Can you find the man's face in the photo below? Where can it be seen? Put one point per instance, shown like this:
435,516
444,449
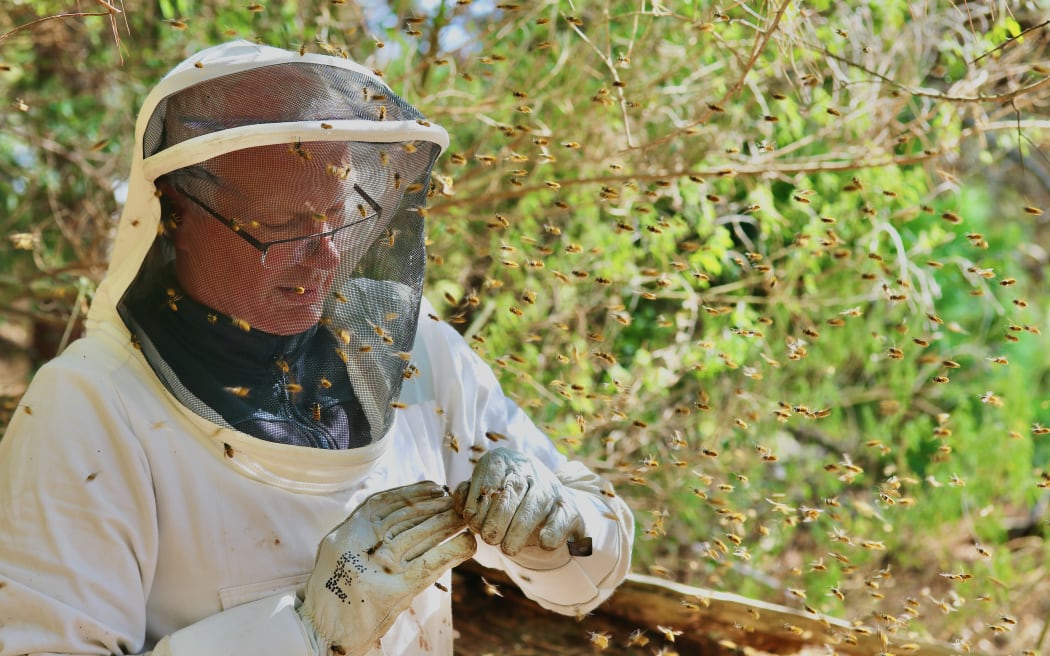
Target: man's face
274,192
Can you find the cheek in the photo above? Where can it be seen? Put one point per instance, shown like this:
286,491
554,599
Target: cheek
213,248
220,269
197,239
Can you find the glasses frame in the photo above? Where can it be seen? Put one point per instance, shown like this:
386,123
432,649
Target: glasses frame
264,246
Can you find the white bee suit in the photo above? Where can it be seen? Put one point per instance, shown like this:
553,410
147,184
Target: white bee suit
130,523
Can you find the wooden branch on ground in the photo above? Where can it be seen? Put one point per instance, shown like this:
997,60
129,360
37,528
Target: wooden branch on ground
720,623
747,622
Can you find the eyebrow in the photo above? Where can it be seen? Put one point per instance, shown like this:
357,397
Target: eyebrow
303,212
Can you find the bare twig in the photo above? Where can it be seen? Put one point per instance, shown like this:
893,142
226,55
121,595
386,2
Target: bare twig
607,60
761,39
111,12
1010,40
71,323
802,166
997,98
31,23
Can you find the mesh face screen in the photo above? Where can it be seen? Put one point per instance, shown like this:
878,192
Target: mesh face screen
318,245
295,91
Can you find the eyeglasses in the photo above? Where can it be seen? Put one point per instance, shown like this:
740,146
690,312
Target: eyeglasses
292,251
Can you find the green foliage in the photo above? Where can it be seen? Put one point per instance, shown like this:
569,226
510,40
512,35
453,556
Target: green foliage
769,270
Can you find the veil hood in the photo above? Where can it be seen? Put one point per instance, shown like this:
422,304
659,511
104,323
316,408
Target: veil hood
240,96
141,215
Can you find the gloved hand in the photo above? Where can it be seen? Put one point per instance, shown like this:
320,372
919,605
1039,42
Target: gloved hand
514,502
370,567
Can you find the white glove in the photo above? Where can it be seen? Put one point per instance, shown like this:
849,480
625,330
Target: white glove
515,502
370,567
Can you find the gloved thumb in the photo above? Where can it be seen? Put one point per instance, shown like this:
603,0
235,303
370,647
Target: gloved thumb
459,496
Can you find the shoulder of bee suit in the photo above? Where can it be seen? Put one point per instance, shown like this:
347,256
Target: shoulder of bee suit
431,334
441,354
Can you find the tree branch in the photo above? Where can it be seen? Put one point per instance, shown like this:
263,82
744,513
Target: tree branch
759,45
111,11
997,98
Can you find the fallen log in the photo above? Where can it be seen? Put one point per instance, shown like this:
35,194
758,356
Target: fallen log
659,614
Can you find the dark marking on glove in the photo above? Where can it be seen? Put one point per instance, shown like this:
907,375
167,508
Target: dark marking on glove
371,550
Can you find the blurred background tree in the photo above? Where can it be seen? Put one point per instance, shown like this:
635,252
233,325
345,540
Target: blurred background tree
775,268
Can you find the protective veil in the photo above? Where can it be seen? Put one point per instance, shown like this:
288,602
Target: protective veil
282,158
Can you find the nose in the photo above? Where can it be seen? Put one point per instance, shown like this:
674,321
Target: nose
322,253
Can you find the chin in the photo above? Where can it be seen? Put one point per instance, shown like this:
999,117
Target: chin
294,327
289,322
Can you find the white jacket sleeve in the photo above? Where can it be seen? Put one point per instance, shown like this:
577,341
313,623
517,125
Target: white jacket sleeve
77,520
79,534
575,585
470,399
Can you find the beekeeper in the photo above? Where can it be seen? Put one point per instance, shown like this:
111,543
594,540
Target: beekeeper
267,443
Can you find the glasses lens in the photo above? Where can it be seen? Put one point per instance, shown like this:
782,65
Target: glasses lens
285,254
294,252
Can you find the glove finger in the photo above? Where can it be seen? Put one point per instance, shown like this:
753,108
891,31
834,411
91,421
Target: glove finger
504,504
479,501
405,518
562,524
529,517
418,540
459,496
488,475
429,567
383,503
